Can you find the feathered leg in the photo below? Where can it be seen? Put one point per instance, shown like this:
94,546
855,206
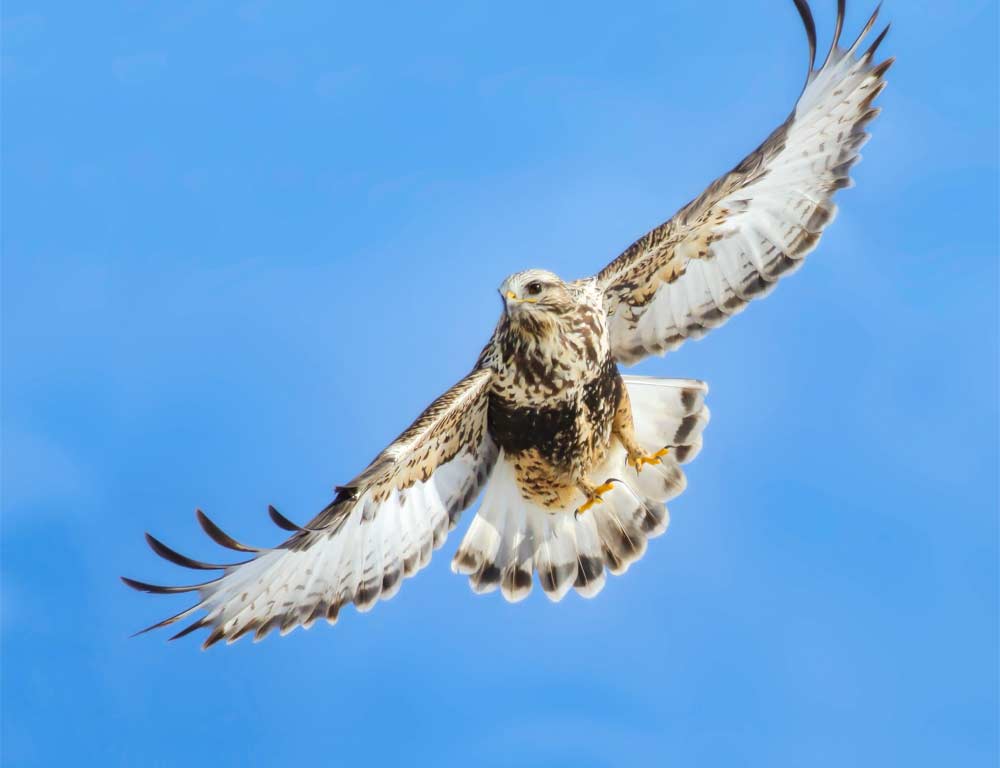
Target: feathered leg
624,429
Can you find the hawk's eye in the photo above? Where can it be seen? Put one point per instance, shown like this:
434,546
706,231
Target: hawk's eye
533,288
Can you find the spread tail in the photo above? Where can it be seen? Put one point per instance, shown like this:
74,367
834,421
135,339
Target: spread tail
510,538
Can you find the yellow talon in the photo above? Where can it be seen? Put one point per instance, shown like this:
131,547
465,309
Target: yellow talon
595,499
641,461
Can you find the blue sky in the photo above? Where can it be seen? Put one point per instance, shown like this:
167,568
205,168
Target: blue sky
243,245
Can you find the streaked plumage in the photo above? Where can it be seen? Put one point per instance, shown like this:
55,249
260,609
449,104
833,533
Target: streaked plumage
576,460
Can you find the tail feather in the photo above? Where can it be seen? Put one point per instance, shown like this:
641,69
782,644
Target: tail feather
517,550
555,559
623,541
589,558
510,538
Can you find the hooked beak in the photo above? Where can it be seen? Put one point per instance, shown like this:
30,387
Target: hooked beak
510,296
510,300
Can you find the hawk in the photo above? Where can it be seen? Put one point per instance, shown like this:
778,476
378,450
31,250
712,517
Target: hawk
575,460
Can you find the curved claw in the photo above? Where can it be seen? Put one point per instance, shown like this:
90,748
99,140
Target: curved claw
640,461
595,498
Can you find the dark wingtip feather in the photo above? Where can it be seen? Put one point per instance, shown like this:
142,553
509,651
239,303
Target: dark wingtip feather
289,622
867,28
807,20
281,521
220,537
877,42
177,558
195,625
156,589
165,622
285,524
265,629
246,629
841,11
216,635
880,70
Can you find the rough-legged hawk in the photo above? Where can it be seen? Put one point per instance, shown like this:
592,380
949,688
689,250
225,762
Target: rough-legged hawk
576,460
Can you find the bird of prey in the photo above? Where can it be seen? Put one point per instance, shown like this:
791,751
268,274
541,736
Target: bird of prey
575,460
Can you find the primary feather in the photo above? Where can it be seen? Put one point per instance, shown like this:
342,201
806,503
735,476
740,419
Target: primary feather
756,223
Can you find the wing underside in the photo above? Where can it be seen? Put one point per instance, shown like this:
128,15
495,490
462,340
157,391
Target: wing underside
380,529
758,222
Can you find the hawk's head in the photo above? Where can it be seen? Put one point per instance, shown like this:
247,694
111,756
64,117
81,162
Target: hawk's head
535,297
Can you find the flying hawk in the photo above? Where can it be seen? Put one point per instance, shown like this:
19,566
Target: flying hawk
577,460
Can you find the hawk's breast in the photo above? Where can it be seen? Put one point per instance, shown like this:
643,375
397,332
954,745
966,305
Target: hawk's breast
566,432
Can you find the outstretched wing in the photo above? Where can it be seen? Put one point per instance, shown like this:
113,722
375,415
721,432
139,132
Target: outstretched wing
381,528
757,222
